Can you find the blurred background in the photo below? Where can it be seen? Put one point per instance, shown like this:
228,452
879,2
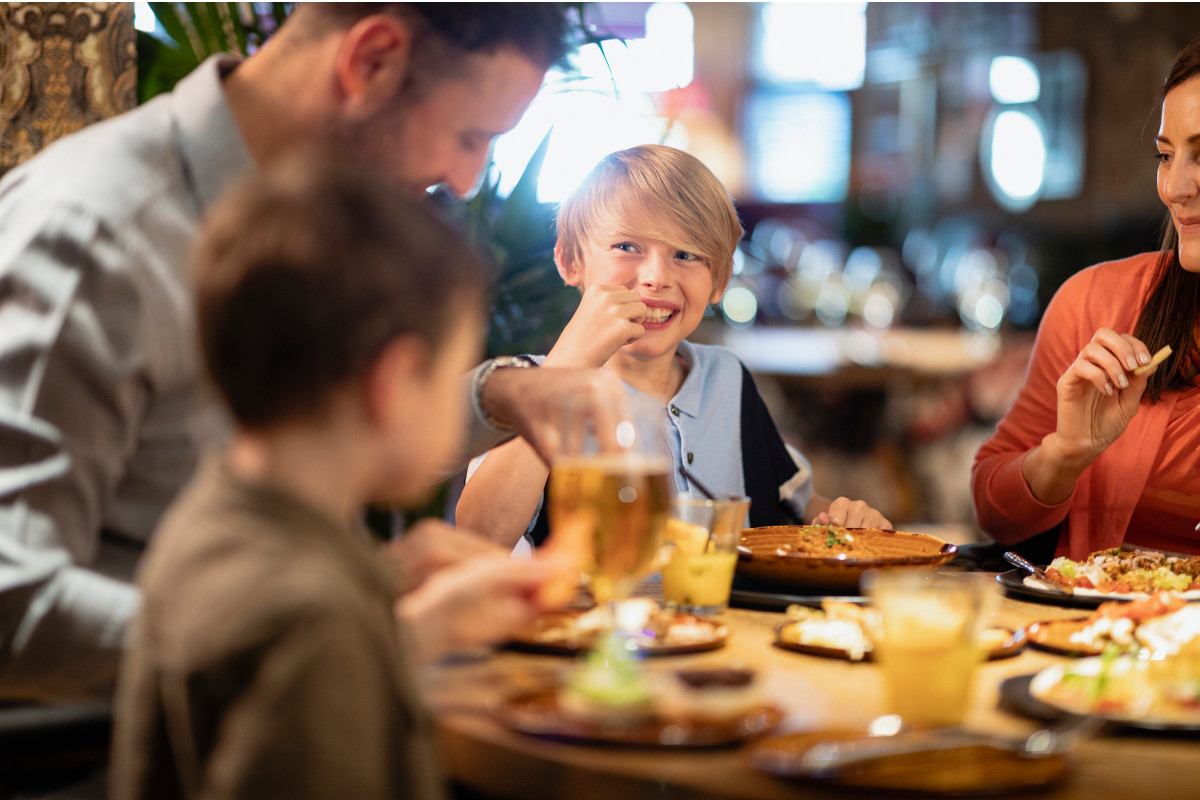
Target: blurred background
915,180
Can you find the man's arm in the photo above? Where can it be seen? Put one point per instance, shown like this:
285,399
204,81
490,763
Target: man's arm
529,399
71,396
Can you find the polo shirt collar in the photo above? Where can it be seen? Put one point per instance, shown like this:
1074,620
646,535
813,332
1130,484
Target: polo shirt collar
214,153
690,394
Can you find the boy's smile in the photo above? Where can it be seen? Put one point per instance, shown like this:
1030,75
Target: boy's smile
658,313
675,285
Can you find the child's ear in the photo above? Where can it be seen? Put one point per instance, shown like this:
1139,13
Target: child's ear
719,291
566,268
394,378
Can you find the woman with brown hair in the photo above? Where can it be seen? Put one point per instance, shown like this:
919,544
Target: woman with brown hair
1096,452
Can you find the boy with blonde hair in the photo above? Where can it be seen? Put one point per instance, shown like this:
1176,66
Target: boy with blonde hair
336,317
649,239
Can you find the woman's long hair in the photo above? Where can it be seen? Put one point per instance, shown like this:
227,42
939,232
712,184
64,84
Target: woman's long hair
1173,305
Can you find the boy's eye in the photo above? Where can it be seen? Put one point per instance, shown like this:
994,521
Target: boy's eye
625,247
683,255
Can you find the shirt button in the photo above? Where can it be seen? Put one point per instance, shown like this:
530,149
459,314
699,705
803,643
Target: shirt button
675,410
690,457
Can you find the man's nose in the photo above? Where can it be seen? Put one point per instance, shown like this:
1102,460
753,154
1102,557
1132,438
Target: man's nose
463,176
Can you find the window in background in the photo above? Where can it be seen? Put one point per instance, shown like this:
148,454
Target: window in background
798,122
821,46
1032,144
143,18
608,102
800,144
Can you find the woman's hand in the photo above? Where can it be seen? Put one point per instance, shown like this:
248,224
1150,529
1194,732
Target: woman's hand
1097,397
849,513
1099,394
608,318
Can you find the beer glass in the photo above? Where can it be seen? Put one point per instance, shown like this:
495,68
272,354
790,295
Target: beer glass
609,495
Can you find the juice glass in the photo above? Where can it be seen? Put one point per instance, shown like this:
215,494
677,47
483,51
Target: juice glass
927,642
702,536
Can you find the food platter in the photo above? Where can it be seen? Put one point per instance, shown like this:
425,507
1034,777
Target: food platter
1152,627
569,633
539,713
1003,643
1054,636
1015,584
774,556
1033,696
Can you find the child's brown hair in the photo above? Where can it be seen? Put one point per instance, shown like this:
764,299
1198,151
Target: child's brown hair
636,191
307,271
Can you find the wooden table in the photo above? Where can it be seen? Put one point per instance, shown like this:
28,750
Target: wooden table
815,692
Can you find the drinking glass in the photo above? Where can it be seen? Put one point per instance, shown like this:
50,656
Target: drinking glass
701,552
927,641
609,494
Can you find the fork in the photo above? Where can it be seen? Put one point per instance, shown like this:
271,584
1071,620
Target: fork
829,758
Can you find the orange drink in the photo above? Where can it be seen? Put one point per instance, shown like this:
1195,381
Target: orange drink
928,642
701,538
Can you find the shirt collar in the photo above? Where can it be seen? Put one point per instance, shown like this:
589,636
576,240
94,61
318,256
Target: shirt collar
690,394
214,153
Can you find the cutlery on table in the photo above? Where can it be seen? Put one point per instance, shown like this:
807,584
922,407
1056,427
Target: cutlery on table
1034,570
826,759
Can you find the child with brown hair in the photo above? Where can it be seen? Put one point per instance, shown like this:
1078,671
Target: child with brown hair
649,238
336,318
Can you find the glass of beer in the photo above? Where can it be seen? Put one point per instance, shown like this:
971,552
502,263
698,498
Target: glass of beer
927,642
701,554
609,494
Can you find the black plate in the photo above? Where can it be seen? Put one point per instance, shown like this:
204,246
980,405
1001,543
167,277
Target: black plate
1014,583
779,601
1015,697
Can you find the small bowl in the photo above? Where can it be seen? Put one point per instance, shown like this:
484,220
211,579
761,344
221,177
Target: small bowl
760,559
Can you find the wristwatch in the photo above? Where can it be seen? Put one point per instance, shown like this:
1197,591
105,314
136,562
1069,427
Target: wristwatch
500,362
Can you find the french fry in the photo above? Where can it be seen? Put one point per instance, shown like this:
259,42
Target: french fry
1157,359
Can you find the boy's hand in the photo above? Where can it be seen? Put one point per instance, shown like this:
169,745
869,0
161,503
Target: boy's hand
608,318
475,602
848,513
431,546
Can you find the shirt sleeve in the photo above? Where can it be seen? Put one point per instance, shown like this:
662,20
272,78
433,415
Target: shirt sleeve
1005,507
71,395
798,491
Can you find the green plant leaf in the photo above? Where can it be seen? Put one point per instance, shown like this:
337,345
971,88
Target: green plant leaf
168,16
160,66
208,27
235,26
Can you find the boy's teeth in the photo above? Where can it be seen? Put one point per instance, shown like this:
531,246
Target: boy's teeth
658,314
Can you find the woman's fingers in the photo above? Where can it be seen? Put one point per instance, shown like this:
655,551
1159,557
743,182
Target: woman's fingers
1099,368
1106,361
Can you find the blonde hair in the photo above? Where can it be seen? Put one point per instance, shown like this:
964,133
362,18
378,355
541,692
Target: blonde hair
659,192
